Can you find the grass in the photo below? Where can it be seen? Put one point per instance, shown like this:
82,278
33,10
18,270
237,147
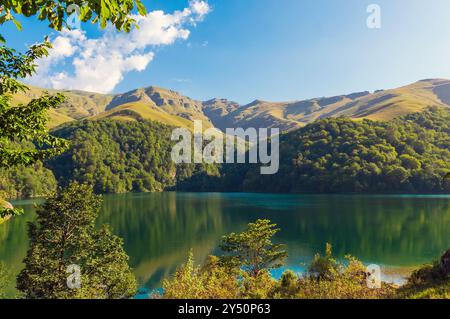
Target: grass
141,110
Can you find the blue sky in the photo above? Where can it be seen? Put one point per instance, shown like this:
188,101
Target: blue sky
281,49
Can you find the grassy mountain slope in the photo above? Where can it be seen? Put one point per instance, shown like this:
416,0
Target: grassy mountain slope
153,103
78,105
385,105
140,110
172,108
381,105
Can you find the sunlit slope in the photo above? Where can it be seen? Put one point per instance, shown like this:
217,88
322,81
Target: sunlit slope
78,104
172,108
380,105
140,110
55,118
388,104
157,104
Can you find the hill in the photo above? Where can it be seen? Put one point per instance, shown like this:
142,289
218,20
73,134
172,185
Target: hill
380,105
157,104
335,155
120,156
172,108
338,155
78,105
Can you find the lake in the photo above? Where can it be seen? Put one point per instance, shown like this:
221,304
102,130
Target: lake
396,232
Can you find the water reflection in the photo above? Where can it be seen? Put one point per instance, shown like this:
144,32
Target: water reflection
159,229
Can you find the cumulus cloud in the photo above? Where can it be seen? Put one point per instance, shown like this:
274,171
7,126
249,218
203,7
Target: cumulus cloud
99,65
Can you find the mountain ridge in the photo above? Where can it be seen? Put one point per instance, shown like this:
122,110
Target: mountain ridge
172,108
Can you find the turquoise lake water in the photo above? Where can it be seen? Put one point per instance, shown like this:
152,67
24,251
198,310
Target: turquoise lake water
396,232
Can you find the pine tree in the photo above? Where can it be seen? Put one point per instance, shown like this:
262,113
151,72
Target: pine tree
253,250
63,235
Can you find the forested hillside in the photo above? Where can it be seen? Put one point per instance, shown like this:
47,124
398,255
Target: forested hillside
116,156
119,157
407,155
113,156
25,182
337,155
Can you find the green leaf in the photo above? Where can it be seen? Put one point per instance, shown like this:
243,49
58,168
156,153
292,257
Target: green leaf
17,24
141,8
103,23
3,18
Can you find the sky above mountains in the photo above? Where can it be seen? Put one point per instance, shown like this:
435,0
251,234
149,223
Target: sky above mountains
247,49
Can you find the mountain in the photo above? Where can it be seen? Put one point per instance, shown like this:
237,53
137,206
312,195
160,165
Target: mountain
158,104
388,104
379,105
407,155
336,155
78,105
172,108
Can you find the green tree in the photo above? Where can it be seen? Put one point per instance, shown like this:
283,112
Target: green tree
24,123
253,250
56,11
324,267
28,122
211,281
64,234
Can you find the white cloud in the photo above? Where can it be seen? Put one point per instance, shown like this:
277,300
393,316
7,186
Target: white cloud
200,8
99,65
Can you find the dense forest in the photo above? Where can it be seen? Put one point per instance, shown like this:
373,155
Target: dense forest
112,156
116,157
407,155
26,182
120,157
338,155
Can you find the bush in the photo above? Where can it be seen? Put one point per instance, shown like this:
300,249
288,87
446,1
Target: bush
208,282
428,282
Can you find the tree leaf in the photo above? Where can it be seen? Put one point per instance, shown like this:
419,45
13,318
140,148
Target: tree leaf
17,24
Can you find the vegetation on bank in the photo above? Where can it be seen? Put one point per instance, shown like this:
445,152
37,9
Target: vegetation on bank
431,281
245,273
27,182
